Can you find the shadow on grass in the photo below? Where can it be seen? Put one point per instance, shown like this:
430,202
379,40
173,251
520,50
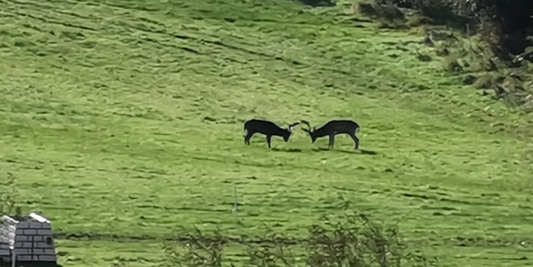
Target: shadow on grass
287,150
359,151
317,3
368,152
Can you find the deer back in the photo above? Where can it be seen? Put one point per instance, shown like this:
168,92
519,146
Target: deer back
264,127
337,127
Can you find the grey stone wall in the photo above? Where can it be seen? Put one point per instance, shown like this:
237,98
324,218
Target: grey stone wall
32,239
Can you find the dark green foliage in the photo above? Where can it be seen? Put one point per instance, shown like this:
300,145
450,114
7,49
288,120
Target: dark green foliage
440,12
480,36
505,24
352,240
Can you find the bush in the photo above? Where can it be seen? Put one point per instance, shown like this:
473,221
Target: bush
490,41
8,203
351,240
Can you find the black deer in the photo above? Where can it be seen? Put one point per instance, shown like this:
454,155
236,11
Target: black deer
333,128
267,128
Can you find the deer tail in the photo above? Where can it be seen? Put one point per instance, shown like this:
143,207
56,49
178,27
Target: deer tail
357,129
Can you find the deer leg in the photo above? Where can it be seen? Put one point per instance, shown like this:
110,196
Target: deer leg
331,141
355,139
248,137
269,140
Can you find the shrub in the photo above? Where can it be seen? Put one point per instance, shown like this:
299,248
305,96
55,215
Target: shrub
8,203
351,240
488,40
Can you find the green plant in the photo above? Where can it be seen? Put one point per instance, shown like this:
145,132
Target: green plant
196,250
271,251
350,240
8,203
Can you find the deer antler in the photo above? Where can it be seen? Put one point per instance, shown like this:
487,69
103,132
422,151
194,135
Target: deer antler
306,123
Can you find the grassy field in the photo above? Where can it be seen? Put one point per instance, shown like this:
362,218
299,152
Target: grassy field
123,120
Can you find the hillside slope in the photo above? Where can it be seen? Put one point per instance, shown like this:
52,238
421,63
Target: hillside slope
122,120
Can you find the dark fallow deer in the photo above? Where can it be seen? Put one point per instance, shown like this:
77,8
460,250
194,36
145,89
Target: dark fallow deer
267,128
333,128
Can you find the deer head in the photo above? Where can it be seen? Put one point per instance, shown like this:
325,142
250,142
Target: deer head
290,129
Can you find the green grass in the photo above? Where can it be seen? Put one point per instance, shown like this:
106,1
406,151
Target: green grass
125,118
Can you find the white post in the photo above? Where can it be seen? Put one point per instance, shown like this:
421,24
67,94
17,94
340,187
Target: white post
13,257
